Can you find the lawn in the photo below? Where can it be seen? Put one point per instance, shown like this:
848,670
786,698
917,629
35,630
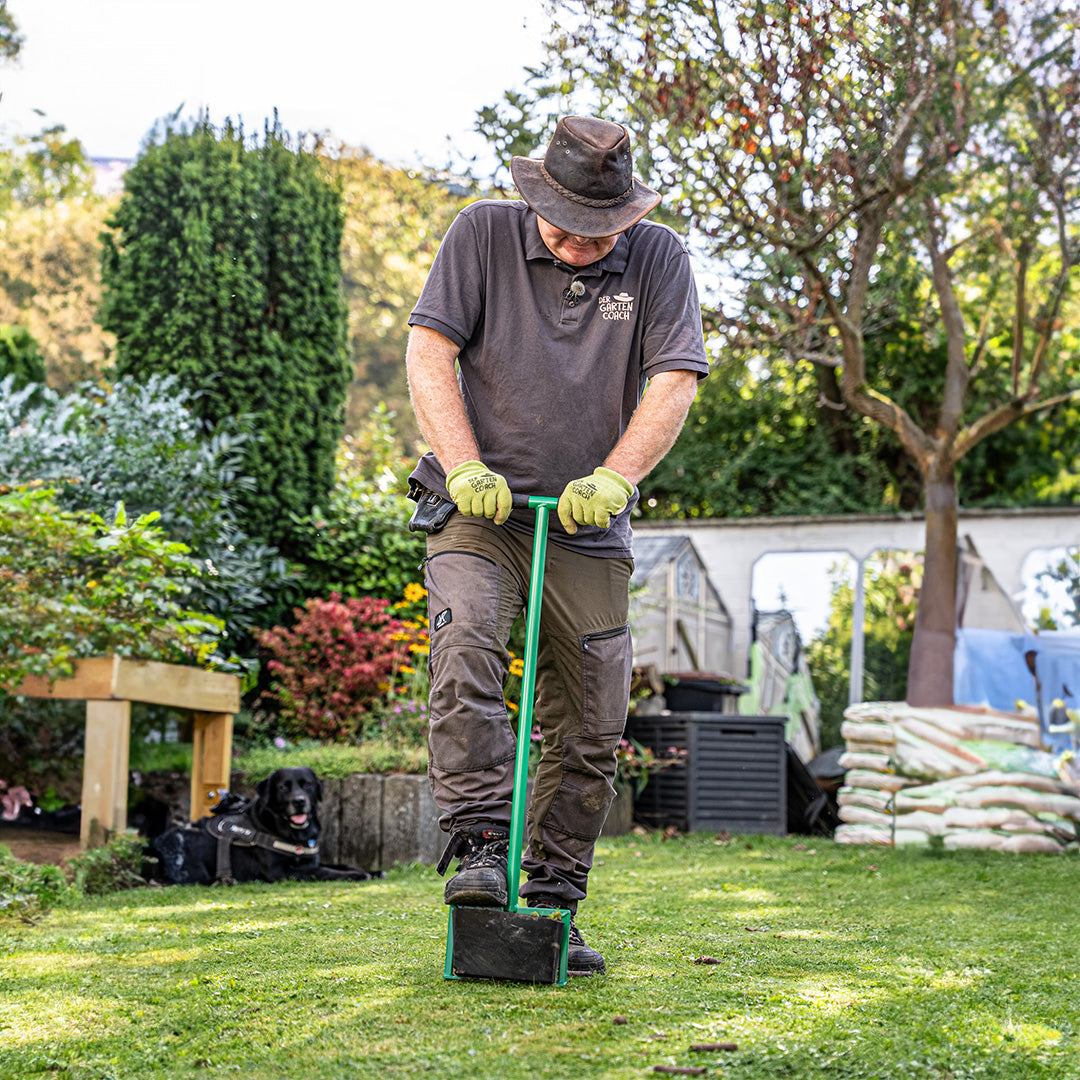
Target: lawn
815,960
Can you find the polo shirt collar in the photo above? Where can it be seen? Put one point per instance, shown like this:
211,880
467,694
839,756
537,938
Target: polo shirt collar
614,262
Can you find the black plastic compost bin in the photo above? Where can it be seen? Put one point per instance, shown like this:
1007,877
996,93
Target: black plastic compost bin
733,778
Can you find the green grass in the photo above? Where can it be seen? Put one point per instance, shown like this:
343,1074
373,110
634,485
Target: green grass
335,761
833,962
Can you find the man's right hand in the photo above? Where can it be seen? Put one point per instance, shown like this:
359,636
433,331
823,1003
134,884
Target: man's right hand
479,492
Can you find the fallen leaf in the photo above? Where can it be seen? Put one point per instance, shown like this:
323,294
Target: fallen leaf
707,1048
618,1020
706,960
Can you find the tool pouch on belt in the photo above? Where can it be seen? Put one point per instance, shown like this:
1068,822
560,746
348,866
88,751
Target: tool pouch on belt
432,511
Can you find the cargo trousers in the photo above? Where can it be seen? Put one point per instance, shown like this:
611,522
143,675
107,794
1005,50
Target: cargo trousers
477,577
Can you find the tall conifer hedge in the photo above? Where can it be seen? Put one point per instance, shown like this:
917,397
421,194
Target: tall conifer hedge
223,267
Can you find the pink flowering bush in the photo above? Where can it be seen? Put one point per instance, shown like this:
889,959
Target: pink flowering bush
332,666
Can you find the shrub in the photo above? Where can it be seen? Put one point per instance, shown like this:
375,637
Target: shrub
112,868
72,585
332,666
143,445
223,267
20,357
27,891
359,543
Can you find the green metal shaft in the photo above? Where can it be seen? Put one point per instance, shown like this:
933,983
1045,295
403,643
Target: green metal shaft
543,506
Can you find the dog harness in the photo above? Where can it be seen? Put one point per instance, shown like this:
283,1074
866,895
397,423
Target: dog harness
238,828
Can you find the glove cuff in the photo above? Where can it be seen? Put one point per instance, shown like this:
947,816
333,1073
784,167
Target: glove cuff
611,474
464,469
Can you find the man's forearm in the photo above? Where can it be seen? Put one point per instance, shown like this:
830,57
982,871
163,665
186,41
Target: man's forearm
436,398
655,425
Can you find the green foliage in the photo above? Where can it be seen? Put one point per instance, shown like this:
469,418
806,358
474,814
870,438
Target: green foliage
360,543
111,868
142,444
223,267
41,743
394,220
42,168
333,761
50,283
28,891
892,584
20,357
10,38
757,442
75,585
1063,576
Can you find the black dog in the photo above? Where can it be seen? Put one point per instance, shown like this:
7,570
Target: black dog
269,838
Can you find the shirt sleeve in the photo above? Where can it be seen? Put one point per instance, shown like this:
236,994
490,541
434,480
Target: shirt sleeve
673,339
452,300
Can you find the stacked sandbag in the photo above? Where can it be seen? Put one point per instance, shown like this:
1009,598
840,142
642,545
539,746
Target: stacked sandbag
976,778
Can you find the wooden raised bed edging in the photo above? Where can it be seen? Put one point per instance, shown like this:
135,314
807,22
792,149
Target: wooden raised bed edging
109,685
378,821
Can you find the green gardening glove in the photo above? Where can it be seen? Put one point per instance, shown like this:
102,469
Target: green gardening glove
593,499
479,492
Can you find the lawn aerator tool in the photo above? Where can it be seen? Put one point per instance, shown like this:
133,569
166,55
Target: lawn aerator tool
522,944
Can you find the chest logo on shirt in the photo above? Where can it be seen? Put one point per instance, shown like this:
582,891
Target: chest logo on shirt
619,307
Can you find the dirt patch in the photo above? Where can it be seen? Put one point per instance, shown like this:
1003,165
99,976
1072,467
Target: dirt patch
39,846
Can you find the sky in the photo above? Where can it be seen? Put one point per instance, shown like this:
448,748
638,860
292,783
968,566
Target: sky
397,78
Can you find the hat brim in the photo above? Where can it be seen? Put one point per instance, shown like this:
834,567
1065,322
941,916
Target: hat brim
573,217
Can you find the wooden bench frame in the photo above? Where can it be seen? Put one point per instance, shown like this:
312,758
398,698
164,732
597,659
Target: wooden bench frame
109,685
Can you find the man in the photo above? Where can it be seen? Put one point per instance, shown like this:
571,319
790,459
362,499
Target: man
555,310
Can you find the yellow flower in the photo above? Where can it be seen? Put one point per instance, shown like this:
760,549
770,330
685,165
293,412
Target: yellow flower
414,593
517,667
419,650
406,670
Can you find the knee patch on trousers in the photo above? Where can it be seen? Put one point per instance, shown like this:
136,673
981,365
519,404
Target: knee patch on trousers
468,725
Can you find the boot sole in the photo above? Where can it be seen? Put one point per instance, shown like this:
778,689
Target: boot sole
475,898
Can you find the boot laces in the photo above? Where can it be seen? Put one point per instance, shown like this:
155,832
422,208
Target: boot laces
488,853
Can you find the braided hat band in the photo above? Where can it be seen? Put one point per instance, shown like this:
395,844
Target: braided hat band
584,200
585,184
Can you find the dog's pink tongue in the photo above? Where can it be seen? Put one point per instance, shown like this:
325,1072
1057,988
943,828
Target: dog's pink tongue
299,819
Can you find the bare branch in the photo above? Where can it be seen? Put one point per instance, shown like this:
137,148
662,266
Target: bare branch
1002,417
957,375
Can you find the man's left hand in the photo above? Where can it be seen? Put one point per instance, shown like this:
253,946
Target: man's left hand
592,500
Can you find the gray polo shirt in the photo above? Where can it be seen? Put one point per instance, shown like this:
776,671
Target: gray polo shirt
550,379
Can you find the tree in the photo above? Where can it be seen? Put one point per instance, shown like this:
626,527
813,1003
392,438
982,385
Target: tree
394,220
10,38
223,267
50,283
818,149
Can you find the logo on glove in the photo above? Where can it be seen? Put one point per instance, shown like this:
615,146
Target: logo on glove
585,490
484,483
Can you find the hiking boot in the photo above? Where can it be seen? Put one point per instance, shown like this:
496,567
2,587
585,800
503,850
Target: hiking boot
480,880
580,958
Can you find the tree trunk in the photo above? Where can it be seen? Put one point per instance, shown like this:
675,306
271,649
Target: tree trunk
930,676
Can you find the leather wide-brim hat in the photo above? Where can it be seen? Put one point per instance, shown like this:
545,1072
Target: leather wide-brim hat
585,185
